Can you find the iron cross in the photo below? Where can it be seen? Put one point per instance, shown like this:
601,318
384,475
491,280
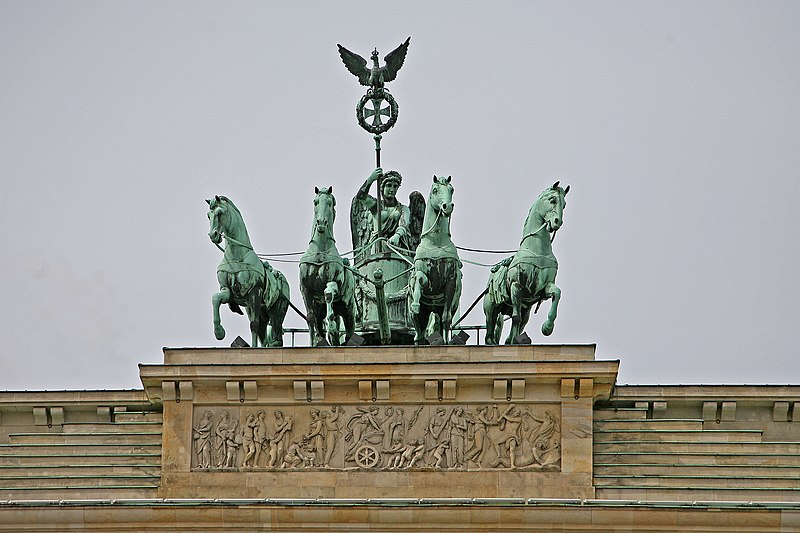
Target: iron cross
376,111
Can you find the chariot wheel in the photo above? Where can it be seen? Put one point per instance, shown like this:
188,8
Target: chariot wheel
367,456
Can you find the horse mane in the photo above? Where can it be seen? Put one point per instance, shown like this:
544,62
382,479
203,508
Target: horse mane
232,205
542,196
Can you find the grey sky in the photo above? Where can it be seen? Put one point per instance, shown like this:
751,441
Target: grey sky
675,123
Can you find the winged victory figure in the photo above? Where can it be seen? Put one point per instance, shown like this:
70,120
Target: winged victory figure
376,76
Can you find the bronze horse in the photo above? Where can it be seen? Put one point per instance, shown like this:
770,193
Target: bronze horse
435,283
244,279
327,284
528,277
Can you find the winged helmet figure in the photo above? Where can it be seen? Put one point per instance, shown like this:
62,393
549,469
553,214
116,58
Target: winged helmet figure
376,76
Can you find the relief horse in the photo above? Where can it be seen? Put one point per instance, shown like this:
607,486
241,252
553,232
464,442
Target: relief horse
327,284
244,280
528,277
435,282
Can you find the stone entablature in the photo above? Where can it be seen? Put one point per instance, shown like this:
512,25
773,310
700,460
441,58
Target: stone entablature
342,422
676,457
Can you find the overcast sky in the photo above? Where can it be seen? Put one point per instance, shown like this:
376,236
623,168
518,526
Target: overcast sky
677,125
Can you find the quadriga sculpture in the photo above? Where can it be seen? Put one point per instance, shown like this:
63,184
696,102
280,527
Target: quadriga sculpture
328,287
244,280
435,283
528,277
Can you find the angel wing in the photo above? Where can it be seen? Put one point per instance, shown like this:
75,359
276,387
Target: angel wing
394,60
360,227
416,204
357,65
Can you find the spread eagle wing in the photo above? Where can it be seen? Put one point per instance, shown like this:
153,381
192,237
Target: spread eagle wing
356,64
416,204
394,60
360,228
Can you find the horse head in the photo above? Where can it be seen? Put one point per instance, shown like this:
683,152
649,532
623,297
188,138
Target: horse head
324,210
441,197
550,206
218,218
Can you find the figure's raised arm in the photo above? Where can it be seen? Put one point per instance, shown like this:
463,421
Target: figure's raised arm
363,192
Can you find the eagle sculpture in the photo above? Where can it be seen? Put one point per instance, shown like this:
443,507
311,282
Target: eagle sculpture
376,76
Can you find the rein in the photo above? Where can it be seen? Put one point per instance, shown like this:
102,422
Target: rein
525,237
234,241
433,225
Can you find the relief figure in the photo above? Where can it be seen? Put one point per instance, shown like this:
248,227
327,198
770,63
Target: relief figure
227,441
332,428
202,441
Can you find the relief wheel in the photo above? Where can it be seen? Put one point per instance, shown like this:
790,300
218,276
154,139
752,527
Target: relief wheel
367,456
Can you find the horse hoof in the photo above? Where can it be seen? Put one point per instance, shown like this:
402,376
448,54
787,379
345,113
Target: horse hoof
547,328
219,332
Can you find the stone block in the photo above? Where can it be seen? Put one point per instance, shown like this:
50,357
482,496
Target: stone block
317,390
500,389
568,388
728,411
709,411
250,390
382,389
300,392
40,416
364,390
232,390
517,389
780,412
659,409
432,390
57,416
449,389
169,392
586,388
186,391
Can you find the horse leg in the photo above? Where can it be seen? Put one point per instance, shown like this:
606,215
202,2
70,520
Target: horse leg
421,324
452,291
516,311
276,315
222,297
331,321
447,310
311,320
490,312
555,293
348,317
277,312
420,280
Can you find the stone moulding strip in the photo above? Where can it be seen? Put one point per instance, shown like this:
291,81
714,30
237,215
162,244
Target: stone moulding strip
405,502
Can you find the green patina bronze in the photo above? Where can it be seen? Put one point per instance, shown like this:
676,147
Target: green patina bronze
384,240
371,118
326,281
528,277
245,280
435,283
405,281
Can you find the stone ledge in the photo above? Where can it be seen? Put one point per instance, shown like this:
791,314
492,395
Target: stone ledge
381,354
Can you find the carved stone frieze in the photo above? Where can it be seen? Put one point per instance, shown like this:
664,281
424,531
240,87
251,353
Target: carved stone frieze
387,437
